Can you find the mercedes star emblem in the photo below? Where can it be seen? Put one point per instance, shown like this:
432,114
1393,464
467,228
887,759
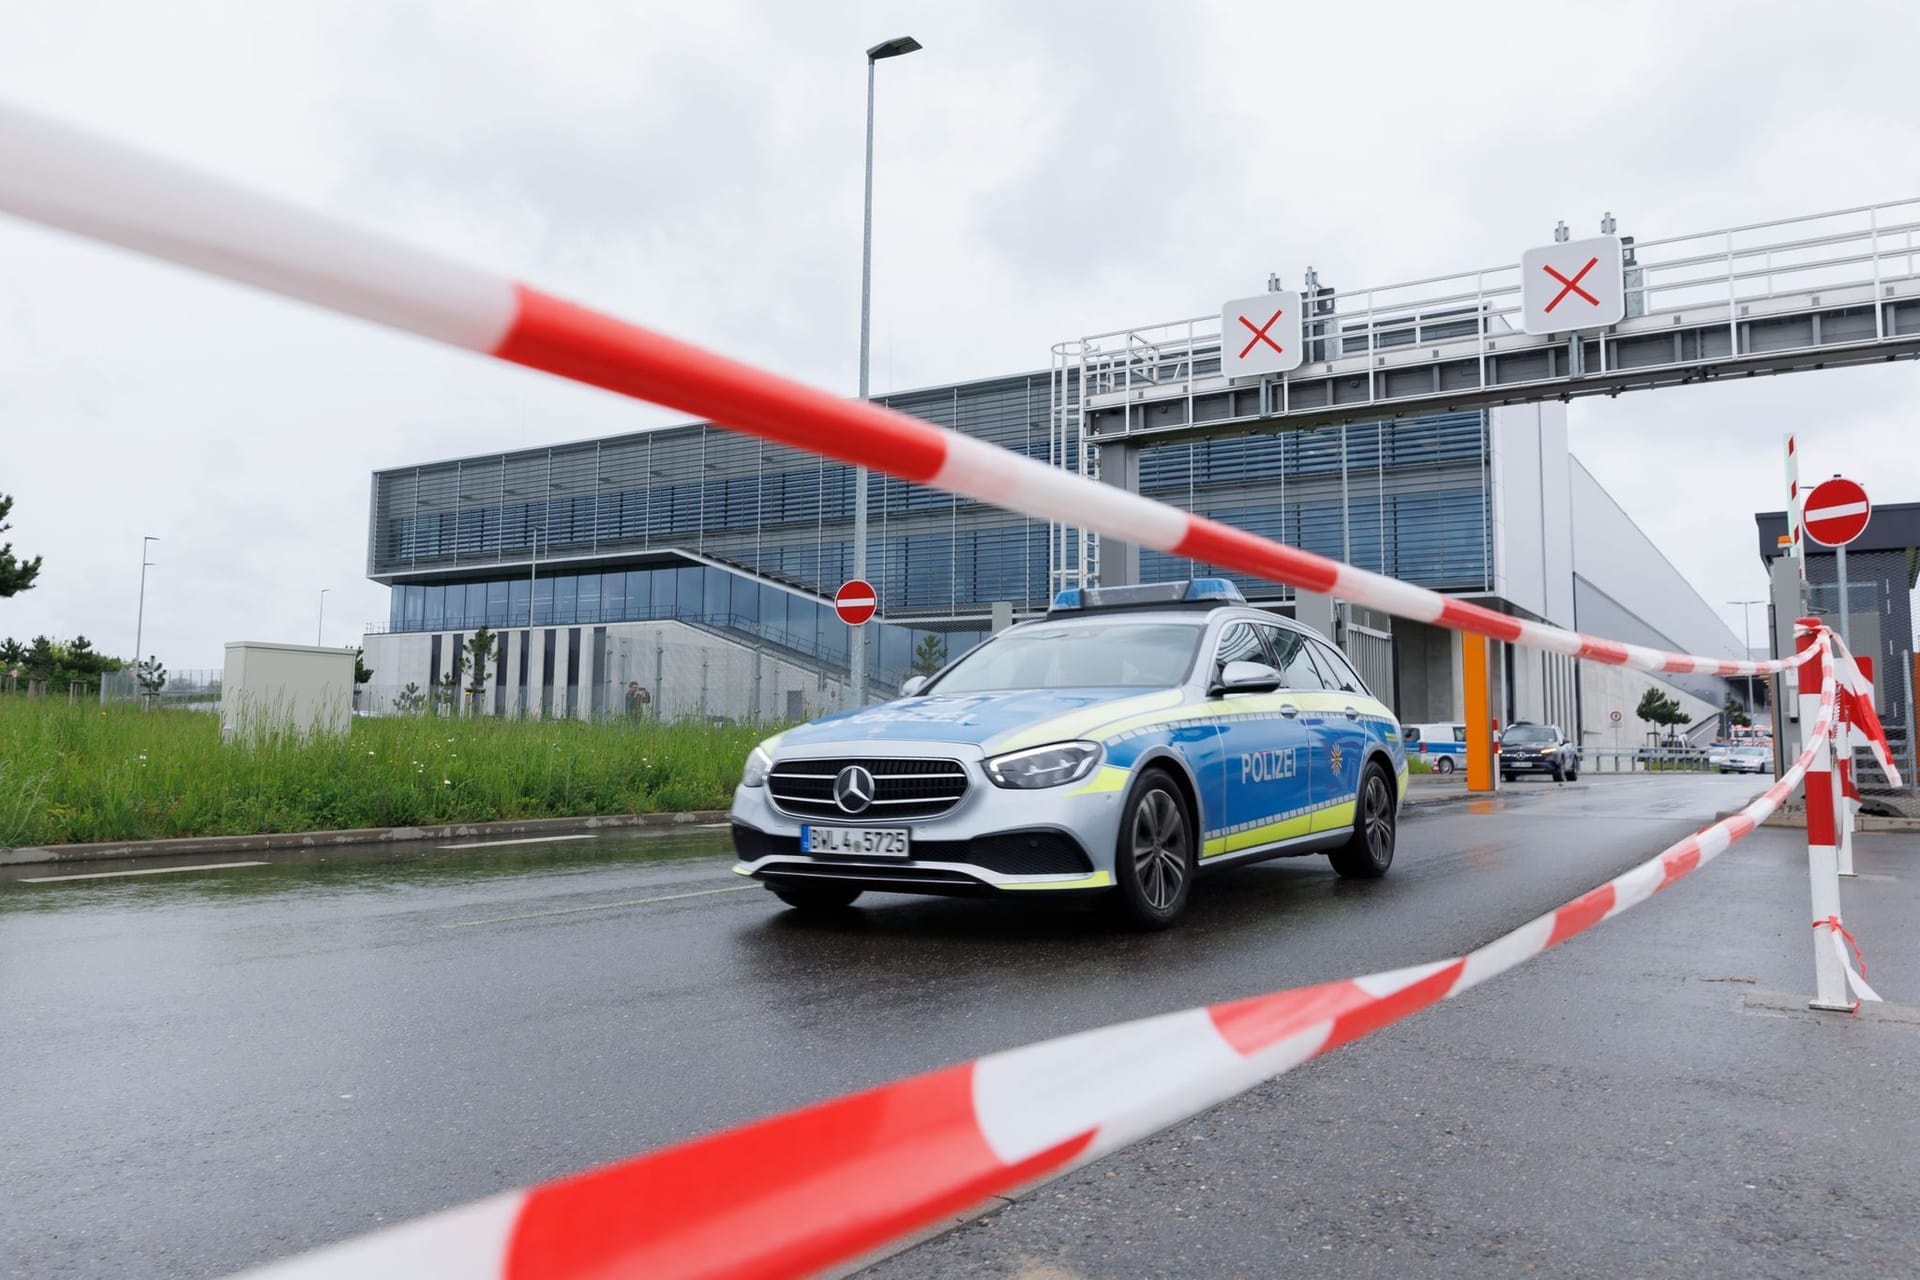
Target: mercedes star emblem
853,789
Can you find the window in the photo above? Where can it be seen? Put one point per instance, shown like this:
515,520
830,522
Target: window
475,612
1339,672
566,598
1239,643
543,600
587,597
436,607
1132,655
497,604
639,594
519,598
613,597
1290,655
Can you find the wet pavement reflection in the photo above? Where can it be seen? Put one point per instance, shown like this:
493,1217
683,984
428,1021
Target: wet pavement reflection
216,1067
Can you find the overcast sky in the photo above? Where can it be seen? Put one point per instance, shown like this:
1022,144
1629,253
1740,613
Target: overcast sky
1045,171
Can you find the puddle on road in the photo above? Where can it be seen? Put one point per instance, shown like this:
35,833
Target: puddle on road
347,869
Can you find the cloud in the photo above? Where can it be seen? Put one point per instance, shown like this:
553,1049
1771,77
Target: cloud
1042,172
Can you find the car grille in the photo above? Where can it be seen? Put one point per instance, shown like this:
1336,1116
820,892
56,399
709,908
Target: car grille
904,788
1011,853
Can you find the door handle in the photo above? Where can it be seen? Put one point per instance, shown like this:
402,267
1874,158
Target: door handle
1288,710
1353,713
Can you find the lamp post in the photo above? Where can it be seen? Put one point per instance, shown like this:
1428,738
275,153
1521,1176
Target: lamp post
140,614
1746,638
857,672
320,626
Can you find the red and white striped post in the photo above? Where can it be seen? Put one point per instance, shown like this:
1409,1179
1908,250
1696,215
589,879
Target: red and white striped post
1823,801
1846,792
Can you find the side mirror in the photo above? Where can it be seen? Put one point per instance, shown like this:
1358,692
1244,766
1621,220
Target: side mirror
1245,677
913,685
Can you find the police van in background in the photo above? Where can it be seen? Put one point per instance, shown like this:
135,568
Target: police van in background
1442,746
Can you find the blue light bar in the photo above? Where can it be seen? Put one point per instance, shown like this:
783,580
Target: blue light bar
1196,591
1214,589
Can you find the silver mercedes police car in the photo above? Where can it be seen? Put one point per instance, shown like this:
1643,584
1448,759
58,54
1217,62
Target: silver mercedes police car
1131,740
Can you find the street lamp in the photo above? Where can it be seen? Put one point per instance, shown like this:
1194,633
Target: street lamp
1746,638
140,616
858,666
321,624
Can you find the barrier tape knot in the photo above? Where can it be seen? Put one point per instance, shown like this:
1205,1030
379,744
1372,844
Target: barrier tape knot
1858,981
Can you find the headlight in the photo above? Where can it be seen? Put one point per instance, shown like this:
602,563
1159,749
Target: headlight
1051,766
759,764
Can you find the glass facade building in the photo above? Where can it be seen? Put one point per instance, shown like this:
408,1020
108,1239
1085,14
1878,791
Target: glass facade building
698,525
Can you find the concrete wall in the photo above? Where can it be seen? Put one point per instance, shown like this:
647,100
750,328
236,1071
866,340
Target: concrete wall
280,688
685,671
1532,530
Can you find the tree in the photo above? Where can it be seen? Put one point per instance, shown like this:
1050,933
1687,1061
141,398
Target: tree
362,673
480,646
409,699
12,653
1736,714
1657,708
447,692
930,654
16,575
151,674
41,659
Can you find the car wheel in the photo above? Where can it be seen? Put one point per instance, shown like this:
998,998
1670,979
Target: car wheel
1559,773
806,896
1506,777
1444,765
1369,851
1154,861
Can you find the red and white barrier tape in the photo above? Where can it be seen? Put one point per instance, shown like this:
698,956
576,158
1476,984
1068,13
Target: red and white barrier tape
834,1182
68,178
805,1190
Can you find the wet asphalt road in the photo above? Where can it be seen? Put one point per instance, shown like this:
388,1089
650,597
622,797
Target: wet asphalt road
214,1068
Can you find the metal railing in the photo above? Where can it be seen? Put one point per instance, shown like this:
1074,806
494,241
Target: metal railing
1800,266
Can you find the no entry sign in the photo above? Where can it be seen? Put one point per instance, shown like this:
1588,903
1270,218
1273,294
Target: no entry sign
1837,512
1261,335
1575,285
855,601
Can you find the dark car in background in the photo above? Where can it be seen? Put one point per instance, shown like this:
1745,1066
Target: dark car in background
1526,747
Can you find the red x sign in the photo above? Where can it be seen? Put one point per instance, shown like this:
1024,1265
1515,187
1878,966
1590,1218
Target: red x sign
1572,286
1260,335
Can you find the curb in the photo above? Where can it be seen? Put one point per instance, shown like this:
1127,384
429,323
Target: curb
266,842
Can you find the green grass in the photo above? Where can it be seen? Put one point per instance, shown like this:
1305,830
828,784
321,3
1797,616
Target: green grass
71,774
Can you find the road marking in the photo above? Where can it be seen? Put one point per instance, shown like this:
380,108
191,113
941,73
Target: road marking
494,844
601,906
144,871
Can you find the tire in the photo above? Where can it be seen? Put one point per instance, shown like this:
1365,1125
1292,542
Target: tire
1155,858
1506,777
1559,773
1443,765
1573,774
811,897
1376,820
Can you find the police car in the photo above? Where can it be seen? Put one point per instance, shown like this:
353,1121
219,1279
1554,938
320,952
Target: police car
1132,740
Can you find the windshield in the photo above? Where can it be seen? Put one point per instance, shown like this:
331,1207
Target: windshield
1527,733
1753,753
1143,655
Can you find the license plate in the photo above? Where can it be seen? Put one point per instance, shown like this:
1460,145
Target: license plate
882,842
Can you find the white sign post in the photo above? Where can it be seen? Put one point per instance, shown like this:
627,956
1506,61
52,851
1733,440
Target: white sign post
1576,284
1261,335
